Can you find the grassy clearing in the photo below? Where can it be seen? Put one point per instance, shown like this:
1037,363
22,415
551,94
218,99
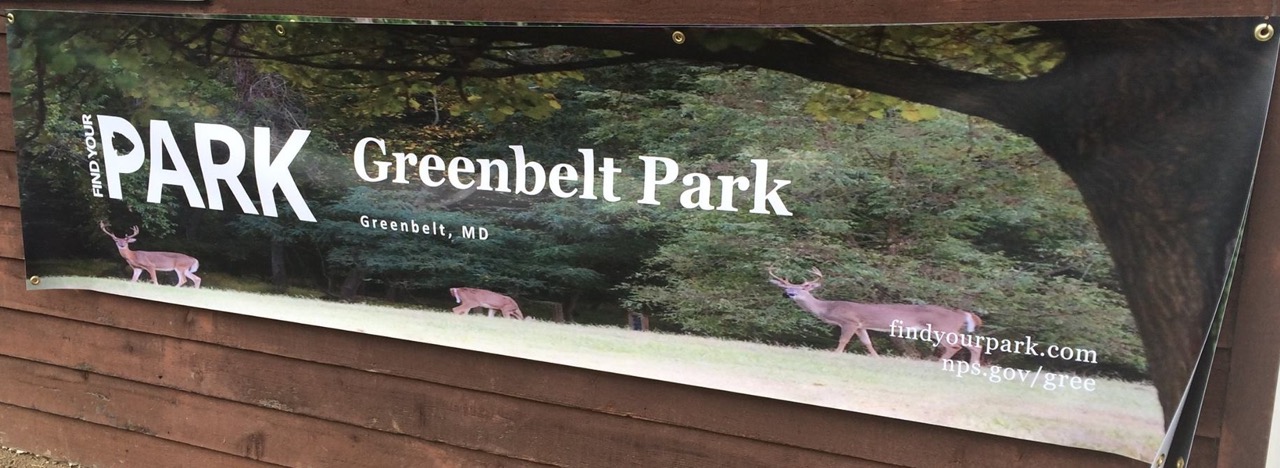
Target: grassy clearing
1119,417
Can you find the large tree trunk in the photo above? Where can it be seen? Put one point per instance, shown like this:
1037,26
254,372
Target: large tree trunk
279,277
1159,123
351,284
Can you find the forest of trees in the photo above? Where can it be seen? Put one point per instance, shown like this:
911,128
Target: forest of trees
991,210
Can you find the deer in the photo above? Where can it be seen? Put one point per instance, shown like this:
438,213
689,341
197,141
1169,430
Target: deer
185,265
470,298
926,321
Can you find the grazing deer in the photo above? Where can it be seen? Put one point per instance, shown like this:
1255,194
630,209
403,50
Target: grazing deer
470,298
929,322
185,265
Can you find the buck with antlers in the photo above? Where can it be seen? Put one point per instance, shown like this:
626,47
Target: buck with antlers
926,321
152,262
470,298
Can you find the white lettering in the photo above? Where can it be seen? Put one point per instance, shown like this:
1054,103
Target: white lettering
275,172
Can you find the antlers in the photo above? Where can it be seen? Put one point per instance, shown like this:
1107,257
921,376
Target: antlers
813,283
103,225
779,280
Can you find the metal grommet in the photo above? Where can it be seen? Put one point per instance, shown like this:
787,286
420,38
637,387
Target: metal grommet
35,280
10,17
1181,463
1160,461
1264,32
280,29
678,37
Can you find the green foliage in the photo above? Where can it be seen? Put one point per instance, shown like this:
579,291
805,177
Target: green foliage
951,211
1010,51
895,201
700,113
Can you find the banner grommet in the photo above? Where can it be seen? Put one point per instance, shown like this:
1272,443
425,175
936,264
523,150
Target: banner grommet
1264,32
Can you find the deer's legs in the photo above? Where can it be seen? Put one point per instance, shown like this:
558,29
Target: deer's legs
975,354
194,279
866,341
491,312
845,334
462,309
948,351
136,273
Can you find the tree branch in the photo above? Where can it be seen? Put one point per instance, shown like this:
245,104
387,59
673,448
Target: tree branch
460,70
825,61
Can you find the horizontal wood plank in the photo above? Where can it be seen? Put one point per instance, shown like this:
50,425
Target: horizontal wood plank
678,12
95,445
1210,423
5,83
7,142
10,231
780,422
464,418
1204,454
255,432
8,178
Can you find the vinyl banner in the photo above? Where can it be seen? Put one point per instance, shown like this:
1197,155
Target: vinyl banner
1019,229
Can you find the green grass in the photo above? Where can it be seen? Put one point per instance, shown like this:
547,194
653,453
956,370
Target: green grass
1120,417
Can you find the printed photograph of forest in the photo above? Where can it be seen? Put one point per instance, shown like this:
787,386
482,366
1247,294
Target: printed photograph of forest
1040,176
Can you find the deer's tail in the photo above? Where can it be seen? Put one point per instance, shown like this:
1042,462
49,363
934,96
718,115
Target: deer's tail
971,322
454,292
195,265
